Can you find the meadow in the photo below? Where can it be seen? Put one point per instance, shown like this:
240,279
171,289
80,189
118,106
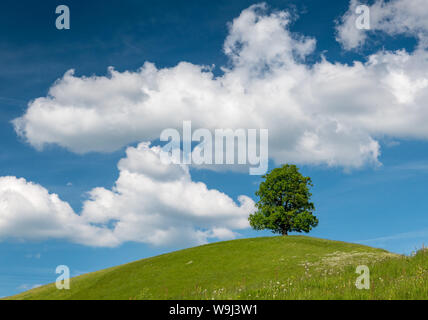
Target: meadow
284,267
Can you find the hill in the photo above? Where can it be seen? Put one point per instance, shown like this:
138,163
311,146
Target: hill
293,267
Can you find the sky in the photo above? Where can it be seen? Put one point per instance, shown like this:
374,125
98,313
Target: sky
81,185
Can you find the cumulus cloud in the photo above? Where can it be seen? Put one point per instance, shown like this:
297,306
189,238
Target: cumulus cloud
261,88
325,113
158,203
151,202
29,212
392,17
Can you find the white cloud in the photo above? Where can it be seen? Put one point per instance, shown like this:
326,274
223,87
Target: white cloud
309,111
392,17
29,212
160,204
151,203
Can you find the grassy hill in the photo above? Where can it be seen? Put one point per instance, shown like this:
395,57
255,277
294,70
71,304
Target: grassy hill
293,267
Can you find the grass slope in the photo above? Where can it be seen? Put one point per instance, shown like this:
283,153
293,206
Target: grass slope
293,267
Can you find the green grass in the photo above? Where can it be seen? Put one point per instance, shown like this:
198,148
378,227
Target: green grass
293,267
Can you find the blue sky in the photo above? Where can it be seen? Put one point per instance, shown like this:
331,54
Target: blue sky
378,205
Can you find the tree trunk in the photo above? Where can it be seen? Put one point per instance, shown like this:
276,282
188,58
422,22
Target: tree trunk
284,233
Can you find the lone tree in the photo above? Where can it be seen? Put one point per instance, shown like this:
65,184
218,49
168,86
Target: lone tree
284,204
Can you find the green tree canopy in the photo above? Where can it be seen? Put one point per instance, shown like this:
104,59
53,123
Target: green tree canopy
284,204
